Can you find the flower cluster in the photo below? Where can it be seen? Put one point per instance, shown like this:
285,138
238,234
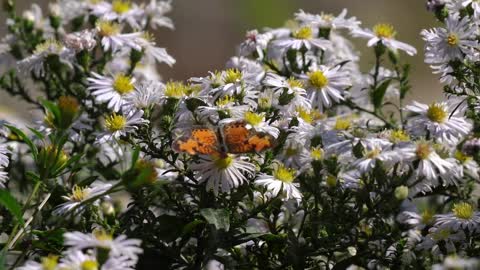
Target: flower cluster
290,157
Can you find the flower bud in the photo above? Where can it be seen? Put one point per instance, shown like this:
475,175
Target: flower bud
401,193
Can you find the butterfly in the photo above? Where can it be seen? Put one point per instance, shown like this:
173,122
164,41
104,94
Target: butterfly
235,137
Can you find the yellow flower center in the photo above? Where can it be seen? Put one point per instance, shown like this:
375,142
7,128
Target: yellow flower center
175,89
303,33
106,28
120,6
102,235
423,150
232,75
78,193
463,210
223,101
342,123
115,122
316,153
441,234
123,84
283,174
50,262
292,82
452,39
399,136
51,45
437,113
89,265
253,119
462,157
306,115
373,153
384,30
223,162
318,79
426,216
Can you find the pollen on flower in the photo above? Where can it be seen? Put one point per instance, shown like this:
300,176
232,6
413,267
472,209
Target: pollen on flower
223,162
89,265
384,30
397,136
121,6
106,28
452,40
318,79
427,216
78,193
423,150
232,75
223,101
437,113
463,210
123,84
253,119
372,154
102,235
284,174
292,82
306,115
50,262
303,33
342,123
115,122
316,153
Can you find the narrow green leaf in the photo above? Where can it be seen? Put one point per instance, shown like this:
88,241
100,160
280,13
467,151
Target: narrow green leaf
37,133
217,217
379,93
135,155
25,138
11,204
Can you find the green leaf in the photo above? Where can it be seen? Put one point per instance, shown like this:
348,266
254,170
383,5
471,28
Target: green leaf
53,109
37,133
194,103
11,204
135,156
25,138
187,229
217,217
379,93
358,150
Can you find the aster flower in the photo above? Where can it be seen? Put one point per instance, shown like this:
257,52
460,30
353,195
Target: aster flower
455,262
113,39
223,173
302,38
450,43
325,86
383,34
119,246
153,53
294,152
83,40
79,195
463,216
49,262
146,94
281,181
441,236
113,90
117,125
4,160
327,21
255,43
439,120
121,10
156,10
417,220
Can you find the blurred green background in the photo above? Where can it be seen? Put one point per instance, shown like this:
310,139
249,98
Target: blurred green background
208,32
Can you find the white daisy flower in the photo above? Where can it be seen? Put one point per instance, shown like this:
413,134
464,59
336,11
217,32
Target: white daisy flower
253,71
3,178
113,39
153,53
463,216
383,34
372,153
255,43
155,14
303,38
223,173
325,86
257,122
450,43
49,262
455,262
146,94
281,181
121,10
430,165
79,195
120,246
113,90
4,160
294,152
418,221
327,21
83,40
117,125
439,120
441,236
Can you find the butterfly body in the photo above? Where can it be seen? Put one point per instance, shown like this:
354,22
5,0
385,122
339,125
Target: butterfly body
234,137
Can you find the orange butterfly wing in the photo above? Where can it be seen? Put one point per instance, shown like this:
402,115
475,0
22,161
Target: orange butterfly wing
238,139
199,141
